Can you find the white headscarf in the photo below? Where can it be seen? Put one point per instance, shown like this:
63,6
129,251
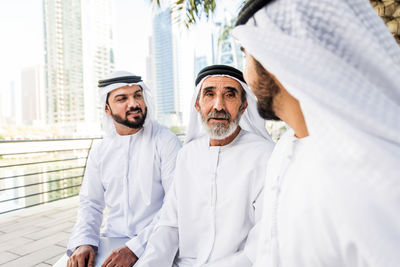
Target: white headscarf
342,64
336,57
143,167
250,120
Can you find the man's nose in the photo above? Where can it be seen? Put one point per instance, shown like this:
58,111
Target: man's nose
132,102
219,103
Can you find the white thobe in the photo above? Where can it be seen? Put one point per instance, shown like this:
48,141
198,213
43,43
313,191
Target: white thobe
312,218
110,182
210,212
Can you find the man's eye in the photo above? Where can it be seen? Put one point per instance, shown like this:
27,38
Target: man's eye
230,95
121,99
138,96
209,94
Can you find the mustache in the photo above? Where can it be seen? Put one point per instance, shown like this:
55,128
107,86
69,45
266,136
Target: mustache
219,114
132,109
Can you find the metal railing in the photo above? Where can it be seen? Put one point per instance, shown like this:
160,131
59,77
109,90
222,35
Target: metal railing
34,172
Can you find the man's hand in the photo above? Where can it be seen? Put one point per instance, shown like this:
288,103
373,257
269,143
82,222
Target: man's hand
80,256
122,257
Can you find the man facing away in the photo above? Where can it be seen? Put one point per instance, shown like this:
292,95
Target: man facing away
331,71
209,214
128,172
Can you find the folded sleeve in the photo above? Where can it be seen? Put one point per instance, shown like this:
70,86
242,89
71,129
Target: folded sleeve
138,243
168,150
163,243
90,213
168,146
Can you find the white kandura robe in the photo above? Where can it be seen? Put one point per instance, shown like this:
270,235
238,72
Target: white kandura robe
343,221
111,182
334,197
213,205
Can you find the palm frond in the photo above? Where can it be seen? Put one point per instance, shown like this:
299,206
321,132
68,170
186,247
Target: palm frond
189,12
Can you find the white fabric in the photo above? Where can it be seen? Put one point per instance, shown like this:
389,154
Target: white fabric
336,193
150,126
106,246
250,120
212,206
111,181
127,174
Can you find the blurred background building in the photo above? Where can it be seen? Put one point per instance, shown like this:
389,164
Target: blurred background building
59,97
33,96
166,65
78,51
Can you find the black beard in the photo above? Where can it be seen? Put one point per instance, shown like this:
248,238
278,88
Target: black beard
133,125
266,90
264,108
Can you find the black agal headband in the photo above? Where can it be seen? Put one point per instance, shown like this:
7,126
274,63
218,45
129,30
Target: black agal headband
219,70
122,79
249,9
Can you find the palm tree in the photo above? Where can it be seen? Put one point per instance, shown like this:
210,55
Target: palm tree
189,11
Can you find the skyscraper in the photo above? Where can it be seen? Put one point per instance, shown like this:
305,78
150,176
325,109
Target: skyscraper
8,105
150,69
77,53
228,50
63,61
166,66
32,95
200,62
98,55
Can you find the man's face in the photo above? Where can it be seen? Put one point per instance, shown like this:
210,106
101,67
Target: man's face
220,105
127,107
263,85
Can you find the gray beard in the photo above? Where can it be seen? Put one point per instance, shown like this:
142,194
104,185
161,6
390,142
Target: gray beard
218,131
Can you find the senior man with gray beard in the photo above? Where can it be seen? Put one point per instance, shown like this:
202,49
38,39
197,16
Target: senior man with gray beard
210,213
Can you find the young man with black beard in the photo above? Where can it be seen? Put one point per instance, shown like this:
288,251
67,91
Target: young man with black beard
330,70
128,173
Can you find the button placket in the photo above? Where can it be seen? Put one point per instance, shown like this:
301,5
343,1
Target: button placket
276,190
214,158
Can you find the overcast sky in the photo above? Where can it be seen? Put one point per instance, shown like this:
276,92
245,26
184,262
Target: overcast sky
21,31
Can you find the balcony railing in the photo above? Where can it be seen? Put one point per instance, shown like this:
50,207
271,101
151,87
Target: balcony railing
33,172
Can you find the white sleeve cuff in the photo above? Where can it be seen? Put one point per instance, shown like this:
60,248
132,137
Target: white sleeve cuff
136,247
74,244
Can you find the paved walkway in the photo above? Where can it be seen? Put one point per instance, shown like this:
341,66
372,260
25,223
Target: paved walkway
36,236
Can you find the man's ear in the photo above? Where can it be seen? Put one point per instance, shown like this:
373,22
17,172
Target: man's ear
196,105
107,109
244,106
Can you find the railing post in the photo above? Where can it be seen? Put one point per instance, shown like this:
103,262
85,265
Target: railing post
87,156
15,159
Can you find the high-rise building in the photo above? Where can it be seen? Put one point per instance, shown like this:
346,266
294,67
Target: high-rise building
228,50
63,61
150,69
98,55
200,62
32,95
166,70
9,105
217,47
77,53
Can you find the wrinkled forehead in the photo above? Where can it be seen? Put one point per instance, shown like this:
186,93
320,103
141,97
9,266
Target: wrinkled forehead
221,82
